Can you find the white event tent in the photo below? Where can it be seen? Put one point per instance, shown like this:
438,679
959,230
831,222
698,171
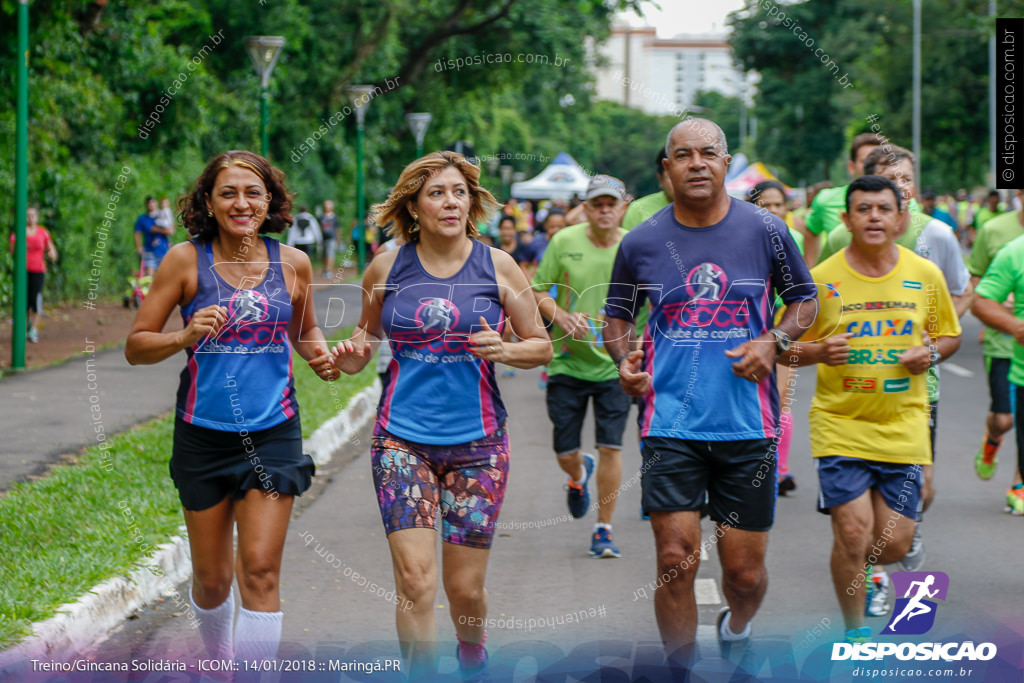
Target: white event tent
560,180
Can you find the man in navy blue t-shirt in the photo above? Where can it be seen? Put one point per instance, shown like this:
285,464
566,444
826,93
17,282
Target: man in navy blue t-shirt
711,267
151,242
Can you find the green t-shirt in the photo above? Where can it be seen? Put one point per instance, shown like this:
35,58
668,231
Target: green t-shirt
912,205
839,239
825,210
997,233
798,237
642,209
983,216
1005,276
582,273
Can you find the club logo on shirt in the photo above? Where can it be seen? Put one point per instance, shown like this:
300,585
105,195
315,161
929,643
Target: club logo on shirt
833,289
438,314
706,282
248,305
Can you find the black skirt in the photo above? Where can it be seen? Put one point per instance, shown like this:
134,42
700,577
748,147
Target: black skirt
208,465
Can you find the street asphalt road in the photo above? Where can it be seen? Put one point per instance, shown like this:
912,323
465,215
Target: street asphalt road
540,572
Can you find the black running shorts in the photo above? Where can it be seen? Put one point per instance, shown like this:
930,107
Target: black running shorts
567,399
208,465
738,478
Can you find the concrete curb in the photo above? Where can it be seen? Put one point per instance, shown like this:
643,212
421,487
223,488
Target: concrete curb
103,609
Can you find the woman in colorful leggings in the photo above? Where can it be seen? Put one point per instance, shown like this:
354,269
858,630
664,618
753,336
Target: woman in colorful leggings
444,300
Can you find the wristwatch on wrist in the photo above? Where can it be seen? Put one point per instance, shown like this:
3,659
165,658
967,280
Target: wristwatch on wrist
618,361
782,340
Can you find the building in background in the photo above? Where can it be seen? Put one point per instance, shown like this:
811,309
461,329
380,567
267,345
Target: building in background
662,76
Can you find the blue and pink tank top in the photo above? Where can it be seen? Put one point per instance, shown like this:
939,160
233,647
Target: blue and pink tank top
240,378
435,391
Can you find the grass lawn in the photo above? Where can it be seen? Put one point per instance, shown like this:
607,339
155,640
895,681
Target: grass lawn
65,533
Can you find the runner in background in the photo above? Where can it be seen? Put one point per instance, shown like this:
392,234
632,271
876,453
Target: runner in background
999,351
304,233
39,246
829,203
639,210
578,262
329,233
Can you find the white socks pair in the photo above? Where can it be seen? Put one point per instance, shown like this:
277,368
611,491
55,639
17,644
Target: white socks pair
215,626
727,633
257,635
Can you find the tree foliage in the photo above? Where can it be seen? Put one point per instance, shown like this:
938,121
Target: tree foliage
807,116
496,73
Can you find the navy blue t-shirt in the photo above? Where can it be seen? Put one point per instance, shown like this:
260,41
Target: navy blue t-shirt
711,289
155,243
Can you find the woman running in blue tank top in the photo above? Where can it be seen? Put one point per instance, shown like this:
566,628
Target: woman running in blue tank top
445,302
237,452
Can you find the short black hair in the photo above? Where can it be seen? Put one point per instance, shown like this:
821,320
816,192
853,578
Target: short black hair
994,193
149,199
662,155
873,183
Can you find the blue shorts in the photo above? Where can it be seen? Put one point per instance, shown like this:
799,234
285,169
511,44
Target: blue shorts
842,479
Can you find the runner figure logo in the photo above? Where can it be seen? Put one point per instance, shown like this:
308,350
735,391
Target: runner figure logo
247,305
437,313
706,282
914,614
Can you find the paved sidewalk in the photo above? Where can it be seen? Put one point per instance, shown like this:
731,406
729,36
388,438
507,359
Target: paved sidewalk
60,410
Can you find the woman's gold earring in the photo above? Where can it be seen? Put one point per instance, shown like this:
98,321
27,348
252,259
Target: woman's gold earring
209,213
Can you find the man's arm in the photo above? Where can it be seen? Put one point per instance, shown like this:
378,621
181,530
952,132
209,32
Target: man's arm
832,351
812,248
995,315
963,302
619,336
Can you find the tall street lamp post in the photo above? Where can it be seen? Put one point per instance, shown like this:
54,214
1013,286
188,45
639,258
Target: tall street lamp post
20,194
360,95
264,51
506,178
418,125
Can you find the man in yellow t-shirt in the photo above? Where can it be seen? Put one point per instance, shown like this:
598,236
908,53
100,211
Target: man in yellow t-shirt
885,317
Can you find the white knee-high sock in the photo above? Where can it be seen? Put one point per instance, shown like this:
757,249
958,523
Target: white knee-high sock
215,626
257,635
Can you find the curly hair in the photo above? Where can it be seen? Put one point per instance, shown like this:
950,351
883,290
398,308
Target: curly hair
192,207
395,209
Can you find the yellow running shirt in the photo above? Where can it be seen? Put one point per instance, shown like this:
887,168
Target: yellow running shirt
872,407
